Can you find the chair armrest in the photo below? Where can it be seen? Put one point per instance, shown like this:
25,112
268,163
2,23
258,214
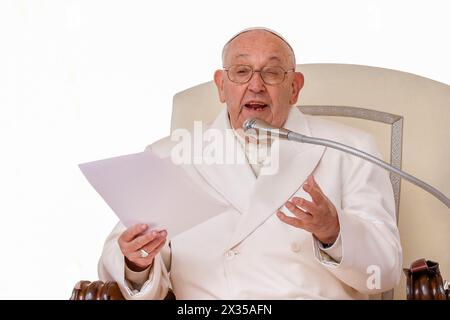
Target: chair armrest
424,281
99,290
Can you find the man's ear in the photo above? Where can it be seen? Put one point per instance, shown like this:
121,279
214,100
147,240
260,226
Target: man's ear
218,79
297,85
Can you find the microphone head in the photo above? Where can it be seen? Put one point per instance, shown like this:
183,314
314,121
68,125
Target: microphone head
262,126
255,123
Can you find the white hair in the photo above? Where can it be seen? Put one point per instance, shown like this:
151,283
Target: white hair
225,47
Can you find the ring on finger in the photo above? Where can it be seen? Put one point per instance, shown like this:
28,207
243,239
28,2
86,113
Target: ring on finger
143,253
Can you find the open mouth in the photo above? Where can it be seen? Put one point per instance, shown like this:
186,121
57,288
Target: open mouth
255,106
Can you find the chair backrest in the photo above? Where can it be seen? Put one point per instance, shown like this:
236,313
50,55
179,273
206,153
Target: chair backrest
353,94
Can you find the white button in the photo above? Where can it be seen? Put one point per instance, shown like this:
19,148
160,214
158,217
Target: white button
295,246
230,254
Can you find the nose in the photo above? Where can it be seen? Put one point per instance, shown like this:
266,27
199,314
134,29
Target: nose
256,84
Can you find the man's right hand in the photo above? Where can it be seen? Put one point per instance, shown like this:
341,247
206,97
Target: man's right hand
132,240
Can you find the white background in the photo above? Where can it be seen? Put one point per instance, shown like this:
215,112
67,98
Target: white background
86,80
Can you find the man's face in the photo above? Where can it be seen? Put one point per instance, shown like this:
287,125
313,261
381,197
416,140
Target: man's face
255,99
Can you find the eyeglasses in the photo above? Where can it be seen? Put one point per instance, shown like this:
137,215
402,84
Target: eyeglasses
270,75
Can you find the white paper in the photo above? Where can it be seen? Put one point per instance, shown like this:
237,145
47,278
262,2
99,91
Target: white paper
143,188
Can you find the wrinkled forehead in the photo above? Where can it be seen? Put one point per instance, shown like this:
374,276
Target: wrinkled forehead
271,41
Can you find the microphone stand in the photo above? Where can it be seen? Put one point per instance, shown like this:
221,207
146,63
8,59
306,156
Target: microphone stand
282,133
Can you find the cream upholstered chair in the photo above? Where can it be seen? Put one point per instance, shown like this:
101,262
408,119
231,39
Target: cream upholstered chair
404,108
400,103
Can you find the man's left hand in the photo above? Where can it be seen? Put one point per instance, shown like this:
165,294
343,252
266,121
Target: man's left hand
318,217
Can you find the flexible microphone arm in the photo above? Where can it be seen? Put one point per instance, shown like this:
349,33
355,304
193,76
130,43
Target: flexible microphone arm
282,133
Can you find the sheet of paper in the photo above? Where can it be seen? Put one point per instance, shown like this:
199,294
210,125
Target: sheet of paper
143,188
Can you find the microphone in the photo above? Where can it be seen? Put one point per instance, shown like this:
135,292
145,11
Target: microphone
282,133
262,126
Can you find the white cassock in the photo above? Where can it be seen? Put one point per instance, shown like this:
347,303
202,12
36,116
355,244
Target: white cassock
246,252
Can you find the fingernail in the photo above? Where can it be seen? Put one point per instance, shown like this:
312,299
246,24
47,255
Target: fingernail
143,226
154,233
163,233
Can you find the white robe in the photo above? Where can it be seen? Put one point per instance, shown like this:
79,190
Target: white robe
246,252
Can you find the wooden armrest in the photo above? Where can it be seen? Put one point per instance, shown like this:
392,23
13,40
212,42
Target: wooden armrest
99,290
424,281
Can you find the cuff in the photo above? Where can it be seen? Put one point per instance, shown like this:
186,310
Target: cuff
136,279
329,255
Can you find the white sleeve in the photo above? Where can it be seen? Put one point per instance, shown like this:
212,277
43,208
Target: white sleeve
371,254
136,279
111,267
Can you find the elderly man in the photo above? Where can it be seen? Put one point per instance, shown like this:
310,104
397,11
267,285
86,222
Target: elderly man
321,227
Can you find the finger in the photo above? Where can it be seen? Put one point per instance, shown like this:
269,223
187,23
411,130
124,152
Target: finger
158,248
299,213
136,256
142,241
152,246
314,191
295,222
132,232
314,182
307,206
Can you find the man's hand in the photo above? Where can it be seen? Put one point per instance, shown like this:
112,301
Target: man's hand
132,240
318,217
